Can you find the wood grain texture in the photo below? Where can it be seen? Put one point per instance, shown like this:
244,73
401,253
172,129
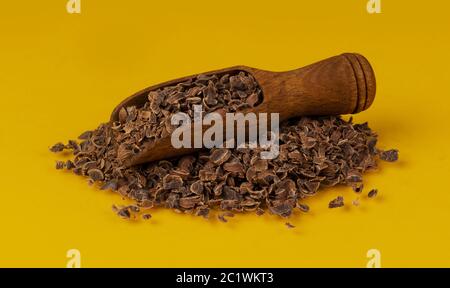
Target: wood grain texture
343,84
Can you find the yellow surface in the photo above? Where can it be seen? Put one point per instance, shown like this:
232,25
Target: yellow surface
62,74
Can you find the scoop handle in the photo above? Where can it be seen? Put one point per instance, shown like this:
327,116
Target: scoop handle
343,84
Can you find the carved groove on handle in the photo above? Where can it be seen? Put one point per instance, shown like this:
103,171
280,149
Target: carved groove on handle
365,81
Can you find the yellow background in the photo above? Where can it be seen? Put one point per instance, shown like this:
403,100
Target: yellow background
62,74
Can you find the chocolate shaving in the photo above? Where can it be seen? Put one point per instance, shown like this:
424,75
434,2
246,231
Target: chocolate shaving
336,203
58,147
60,165
372,193
389,155
314,153
289,225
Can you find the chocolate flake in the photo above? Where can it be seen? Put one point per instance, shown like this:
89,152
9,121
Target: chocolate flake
69,165
110,185
289,225
96,174
389,155
357,187
303,207
172,182
58,147
372,193
336,203
124,213
60,165
219,156
259,211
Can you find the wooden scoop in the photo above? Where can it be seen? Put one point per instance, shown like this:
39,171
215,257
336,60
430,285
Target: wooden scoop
343,84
